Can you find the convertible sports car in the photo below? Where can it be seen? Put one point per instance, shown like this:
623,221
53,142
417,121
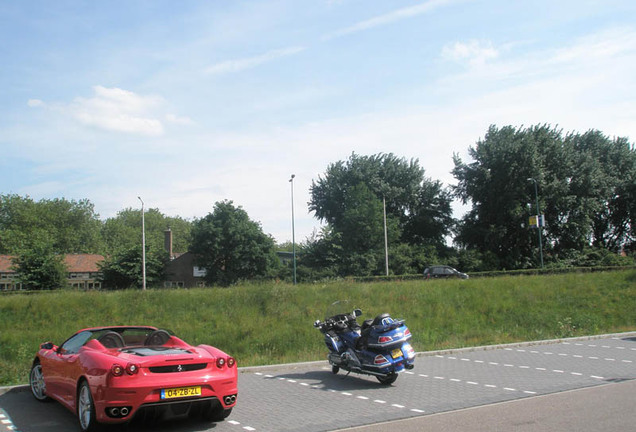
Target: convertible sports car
112,374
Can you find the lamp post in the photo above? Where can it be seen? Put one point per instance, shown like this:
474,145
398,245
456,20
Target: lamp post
536,197
143,246
386,238
291,180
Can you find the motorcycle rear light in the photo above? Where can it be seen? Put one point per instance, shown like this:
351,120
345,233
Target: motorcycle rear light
117,370
230,361
132,369
380,359
220,362
385,339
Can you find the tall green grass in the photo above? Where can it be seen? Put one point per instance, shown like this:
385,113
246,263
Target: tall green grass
272,323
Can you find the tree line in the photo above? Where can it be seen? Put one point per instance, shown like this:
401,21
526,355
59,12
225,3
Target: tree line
585,187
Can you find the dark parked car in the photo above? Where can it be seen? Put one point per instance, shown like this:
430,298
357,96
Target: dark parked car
442,271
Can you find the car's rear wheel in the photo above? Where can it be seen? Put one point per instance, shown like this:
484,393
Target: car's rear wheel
86,408
36,380
215,412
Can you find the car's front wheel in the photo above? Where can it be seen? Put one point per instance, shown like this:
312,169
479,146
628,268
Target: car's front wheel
86,408
36,380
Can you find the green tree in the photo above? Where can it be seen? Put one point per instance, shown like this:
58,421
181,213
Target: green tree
40,268
585,188
67,226
231,247
124,269
351,196
123,232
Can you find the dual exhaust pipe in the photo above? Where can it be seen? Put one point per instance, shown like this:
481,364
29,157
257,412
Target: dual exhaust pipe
229,400
118,412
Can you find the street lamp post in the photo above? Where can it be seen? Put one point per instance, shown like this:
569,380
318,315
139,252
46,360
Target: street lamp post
291,180
143,246
386,238
536,197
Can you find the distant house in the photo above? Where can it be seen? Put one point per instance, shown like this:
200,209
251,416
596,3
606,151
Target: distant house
83,272
180,271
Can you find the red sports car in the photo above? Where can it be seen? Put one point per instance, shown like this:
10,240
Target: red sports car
112,374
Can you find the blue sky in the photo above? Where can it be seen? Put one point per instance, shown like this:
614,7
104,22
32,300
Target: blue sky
186,103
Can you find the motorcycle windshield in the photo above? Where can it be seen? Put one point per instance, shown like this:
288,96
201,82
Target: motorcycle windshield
340,307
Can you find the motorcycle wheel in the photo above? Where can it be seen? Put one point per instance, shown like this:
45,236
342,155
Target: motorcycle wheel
335,369
388,379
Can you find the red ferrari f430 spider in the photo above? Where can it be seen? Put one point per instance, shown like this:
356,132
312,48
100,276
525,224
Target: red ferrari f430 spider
112,374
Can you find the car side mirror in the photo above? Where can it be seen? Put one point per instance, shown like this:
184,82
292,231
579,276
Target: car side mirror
47,345
357,313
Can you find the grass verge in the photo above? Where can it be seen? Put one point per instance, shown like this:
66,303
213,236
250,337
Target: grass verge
272,323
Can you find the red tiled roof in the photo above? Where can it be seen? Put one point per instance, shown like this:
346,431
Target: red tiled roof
82,263
75,263
6,263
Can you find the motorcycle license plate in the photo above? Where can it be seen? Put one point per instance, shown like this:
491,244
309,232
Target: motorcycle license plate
180,392
396,353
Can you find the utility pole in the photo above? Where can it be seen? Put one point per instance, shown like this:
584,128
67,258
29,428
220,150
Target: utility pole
536,197
143,246
291,180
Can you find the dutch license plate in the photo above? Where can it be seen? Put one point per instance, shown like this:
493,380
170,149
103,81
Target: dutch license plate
180,392
396,353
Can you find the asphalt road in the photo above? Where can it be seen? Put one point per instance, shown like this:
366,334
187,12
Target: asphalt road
575,384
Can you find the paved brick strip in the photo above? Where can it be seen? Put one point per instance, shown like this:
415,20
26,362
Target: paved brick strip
541,369
5,422
342,393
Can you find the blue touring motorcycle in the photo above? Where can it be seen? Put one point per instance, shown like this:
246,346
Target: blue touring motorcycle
379,347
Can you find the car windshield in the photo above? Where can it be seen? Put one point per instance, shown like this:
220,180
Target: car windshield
117,337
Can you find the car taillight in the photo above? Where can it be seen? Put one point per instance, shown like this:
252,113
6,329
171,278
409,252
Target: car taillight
385,339
230,361
117,370
220,362
407,332
132,369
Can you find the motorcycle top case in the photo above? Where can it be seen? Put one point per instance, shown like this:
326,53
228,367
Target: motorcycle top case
388,335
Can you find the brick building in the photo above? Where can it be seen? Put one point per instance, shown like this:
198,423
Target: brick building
83,272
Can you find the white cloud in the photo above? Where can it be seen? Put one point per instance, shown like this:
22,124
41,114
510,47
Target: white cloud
172,118
237,65
389,18
34,103
474,53
115,109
